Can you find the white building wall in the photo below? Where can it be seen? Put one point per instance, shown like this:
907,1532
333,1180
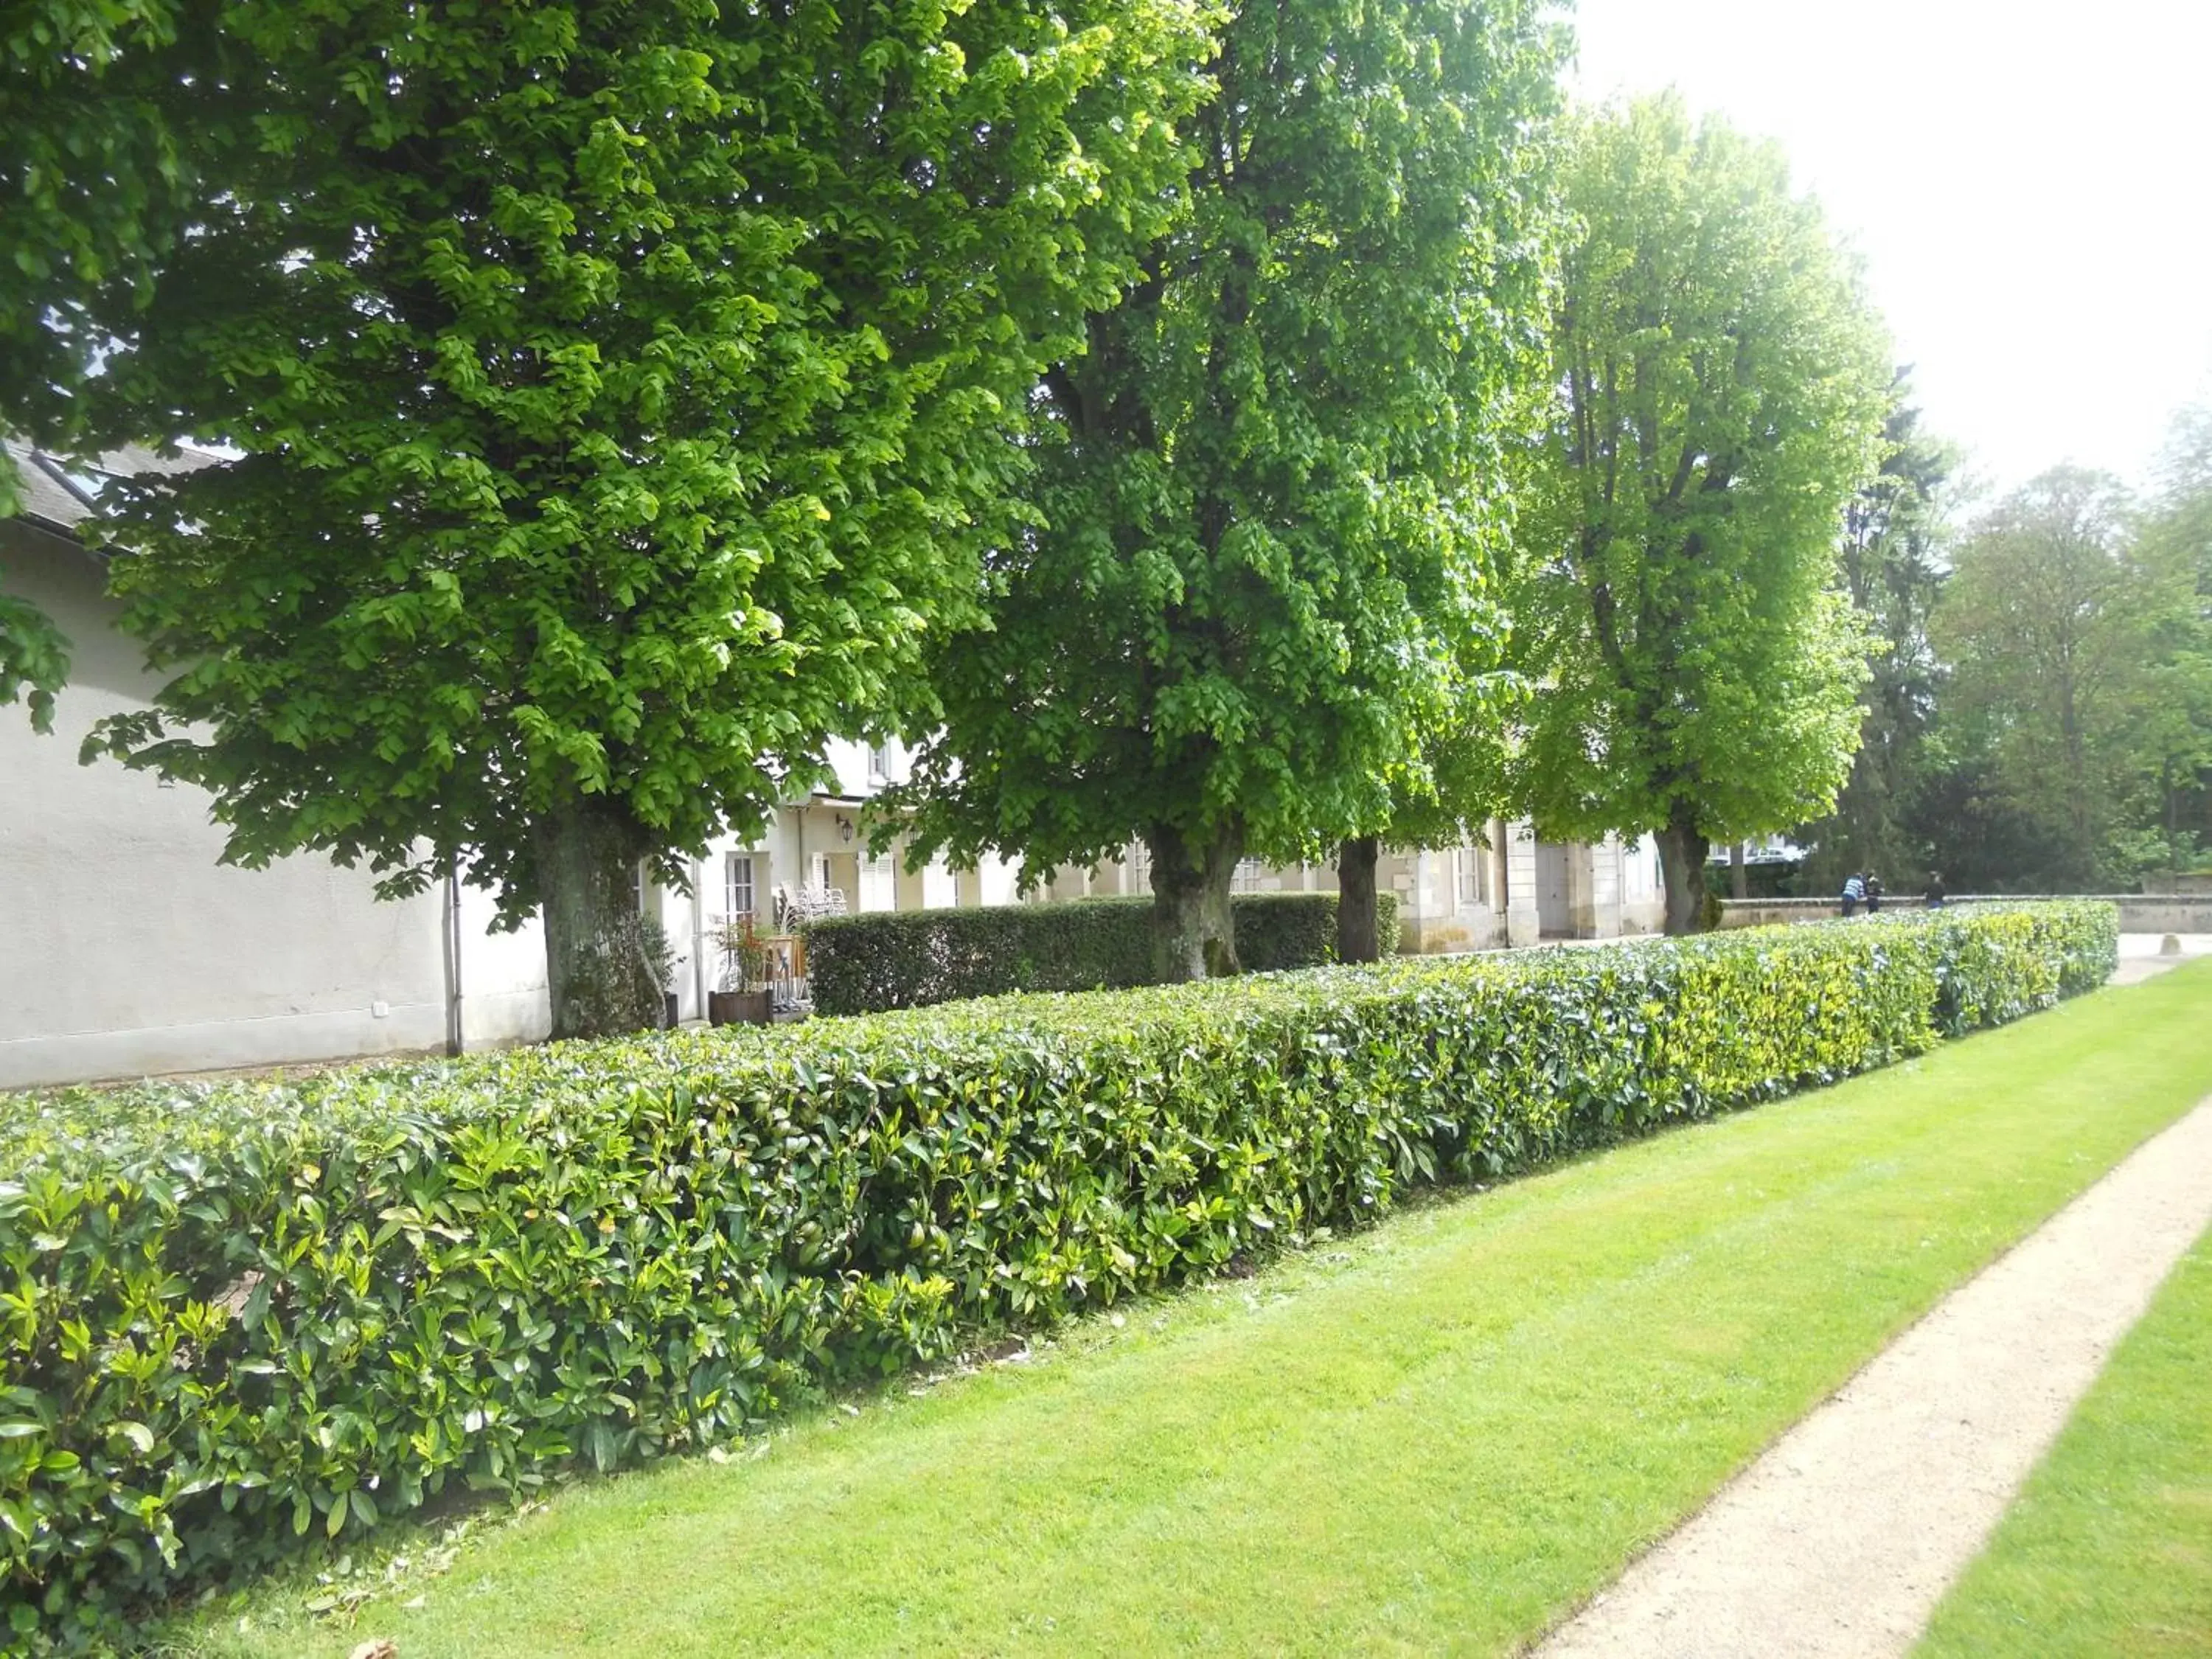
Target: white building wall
1643,894
502,982
126,948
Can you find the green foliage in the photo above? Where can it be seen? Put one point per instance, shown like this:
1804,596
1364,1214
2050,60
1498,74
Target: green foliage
624,391
1278,930
2074,743
1258,1467
34,656
915,958
2173,721
1723,391
1893,567
95,185
2072,695
1270,488
243,1312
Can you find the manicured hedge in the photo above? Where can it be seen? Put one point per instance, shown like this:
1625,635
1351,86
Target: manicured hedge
236,1313
915,958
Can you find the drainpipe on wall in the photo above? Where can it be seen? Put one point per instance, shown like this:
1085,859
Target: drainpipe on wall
1501,839
456,1032
699,935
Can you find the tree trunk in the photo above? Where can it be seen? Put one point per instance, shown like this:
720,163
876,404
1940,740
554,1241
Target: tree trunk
597,971
1682,864
1358,928
1194,936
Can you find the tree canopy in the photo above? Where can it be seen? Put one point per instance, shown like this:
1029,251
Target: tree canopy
623,392
2079,697
1722,386
1894,554
1269,486
96,186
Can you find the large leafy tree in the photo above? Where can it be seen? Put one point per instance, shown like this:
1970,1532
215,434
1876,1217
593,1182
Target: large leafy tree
2067,631
1269,485
1893,565
623,388
1722,390
2177,714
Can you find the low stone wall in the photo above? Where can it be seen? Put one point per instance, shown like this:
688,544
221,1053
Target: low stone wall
2140,912
2189,886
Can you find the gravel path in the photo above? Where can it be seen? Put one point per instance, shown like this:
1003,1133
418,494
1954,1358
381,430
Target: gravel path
1842,1538
2141,955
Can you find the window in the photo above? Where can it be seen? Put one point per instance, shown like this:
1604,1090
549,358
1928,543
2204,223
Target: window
878,883
1140,866
737,885
1468,872
1247,878
821,871
879,763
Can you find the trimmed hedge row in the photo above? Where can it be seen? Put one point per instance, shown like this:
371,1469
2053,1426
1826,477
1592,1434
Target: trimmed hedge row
866,964
239,1312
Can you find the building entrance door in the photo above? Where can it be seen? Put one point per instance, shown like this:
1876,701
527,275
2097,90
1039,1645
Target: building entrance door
1555,914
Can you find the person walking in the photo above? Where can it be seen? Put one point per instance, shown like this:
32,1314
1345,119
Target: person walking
1872,893
1854,890
1932,895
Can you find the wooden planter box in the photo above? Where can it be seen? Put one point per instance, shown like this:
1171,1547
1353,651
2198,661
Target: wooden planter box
737,1007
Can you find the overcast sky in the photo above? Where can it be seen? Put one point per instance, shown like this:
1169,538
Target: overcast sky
2029,182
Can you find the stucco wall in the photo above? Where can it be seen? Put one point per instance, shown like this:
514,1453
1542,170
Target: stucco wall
126,948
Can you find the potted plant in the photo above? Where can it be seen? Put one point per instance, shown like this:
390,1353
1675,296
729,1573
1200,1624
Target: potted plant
747,963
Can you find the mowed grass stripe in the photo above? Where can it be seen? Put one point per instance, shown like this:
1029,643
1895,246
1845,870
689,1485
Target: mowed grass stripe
2109,1549
1439,1437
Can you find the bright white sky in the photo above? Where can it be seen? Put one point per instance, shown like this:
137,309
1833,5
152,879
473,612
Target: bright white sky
2029,181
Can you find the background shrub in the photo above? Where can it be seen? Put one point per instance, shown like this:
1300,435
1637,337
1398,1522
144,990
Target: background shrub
914,958
1278,930
234,1314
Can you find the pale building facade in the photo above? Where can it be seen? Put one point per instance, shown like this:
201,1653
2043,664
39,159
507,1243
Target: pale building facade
127,948
1507,888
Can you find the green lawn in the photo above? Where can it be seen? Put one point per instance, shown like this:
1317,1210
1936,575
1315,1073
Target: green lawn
1438,1437
2109,1551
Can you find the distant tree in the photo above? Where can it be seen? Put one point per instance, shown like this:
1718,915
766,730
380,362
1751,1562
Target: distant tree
1979,840
2176,708
623,390
1892,569
1721,387
2049,620
1270,484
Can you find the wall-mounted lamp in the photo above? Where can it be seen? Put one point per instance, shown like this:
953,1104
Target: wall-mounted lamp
844,828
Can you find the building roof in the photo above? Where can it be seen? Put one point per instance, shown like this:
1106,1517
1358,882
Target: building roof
59,495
